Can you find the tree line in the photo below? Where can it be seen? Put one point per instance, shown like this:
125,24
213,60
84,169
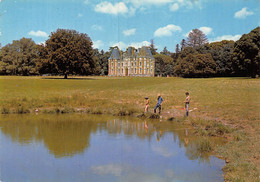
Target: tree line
195,57
68,52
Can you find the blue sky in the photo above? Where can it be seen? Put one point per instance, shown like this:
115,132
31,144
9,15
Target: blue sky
128,22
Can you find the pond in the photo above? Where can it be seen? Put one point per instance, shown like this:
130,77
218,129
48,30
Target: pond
80,147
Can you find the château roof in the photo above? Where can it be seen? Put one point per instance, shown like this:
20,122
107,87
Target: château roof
115,54
145,52
131,52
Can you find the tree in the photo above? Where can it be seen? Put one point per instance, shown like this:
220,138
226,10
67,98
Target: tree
196,38
152,48
163,65
221,53
177,49
19,58
165,52
70,52
246,56
196,65
183,44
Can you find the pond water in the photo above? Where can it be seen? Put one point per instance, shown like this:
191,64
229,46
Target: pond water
80,147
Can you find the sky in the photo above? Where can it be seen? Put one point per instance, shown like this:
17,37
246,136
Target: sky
126,23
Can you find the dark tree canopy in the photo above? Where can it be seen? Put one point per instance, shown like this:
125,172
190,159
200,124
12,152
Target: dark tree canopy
221,53
163,65
196,38
195,65
19,58
246,56
69,52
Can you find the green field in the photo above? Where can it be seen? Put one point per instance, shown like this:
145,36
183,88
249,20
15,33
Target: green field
231,106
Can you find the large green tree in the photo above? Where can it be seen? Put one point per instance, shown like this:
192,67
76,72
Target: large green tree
195,65
196,38
163,65
246,55
19,58
69,52
221,53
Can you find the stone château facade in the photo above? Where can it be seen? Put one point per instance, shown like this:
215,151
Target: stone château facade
132,62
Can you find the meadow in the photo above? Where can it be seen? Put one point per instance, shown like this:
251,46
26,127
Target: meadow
226,107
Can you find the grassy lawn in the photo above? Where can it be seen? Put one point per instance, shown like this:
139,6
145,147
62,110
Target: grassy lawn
231,106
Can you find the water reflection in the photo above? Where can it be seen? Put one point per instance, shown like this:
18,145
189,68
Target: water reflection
103,148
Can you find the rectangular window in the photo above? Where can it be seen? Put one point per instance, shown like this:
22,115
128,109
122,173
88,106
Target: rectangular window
122,70
135,63
140,70
132,70
118,70
112,64
122,64
132,64
118,64
135,70
147,70
140,63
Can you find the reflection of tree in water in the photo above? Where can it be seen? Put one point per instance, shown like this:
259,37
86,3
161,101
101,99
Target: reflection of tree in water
66,135
63,136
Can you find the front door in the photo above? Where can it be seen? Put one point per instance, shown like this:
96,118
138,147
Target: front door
126,72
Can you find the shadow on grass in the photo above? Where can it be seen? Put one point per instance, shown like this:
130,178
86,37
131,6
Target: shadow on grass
70,78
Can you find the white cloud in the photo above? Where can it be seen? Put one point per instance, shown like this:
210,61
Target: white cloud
41,43
120,45
129,32
97,27
163,151
243,13
98,44
109,8
80,15
174,7
167,30
138,3
206,30
86,1
0,32
111,169
139,44
39,33
226,37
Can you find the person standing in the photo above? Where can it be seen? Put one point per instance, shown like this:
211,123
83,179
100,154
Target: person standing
187,103
146,105
159,103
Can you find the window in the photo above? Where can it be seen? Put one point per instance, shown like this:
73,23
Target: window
112,64
118,70
140,63
147,70
122,70
151,70
135,70
135,63
118,64
122,64
131,70
132,64
140,70
112,71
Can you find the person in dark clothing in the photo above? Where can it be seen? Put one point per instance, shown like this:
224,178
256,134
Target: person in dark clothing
159,104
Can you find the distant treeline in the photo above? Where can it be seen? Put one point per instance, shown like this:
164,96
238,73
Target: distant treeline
70,52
